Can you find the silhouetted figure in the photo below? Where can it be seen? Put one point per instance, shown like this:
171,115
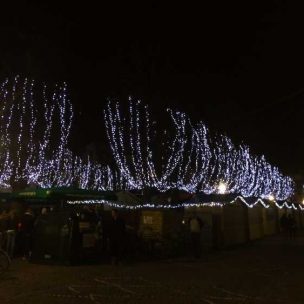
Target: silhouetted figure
117,233
195,226
26,232
4,221
99,230
4,225
11,233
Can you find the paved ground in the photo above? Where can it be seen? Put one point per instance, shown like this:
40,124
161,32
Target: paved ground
268,271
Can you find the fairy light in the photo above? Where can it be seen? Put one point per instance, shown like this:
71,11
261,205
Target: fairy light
189,204
195,160
285,204
35,124
34,148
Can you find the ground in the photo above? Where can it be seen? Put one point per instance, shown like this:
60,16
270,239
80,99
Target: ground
266,271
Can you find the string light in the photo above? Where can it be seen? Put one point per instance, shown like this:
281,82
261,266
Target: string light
35,125
194,161
166,205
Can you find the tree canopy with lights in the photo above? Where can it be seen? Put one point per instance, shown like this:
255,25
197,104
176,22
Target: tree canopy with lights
188,158
35,124
35,127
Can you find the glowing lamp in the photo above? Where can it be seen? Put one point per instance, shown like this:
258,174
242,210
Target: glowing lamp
222,188
271,197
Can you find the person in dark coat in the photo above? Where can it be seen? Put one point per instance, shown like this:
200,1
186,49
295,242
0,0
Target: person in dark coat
4,221
26,232
4,224
195,227
117,231
11,232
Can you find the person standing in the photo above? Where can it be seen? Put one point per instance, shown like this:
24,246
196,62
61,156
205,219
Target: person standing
4,224
195,226
99,233
116,237
11,232
27,226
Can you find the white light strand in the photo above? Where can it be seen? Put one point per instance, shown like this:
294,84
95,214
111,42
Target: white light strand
166,205
35,126
195,162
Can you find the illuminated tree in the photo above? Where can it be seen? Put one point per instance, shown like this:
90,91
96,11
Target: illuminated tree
35,124
191,158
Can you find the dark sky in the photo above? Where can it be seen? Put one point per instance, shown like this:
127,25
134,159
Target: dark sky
238,67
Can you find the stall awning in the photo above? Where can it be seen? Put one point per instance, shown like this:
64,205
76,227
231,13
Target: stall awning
51,194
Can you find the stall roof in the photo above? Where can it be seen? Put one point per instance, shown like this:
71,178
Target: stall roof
58,194
73,194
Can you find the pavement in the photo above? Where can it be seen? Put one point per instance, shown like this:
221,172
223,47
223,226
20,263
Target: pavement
265,271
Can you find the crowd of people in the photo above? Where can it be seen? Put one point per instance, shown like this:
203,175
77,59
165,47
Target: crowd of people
17,227
113,236
110,232
16,231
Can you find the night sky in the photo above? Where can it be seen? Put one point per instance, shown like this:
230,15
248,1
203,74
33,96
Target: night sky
240,68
